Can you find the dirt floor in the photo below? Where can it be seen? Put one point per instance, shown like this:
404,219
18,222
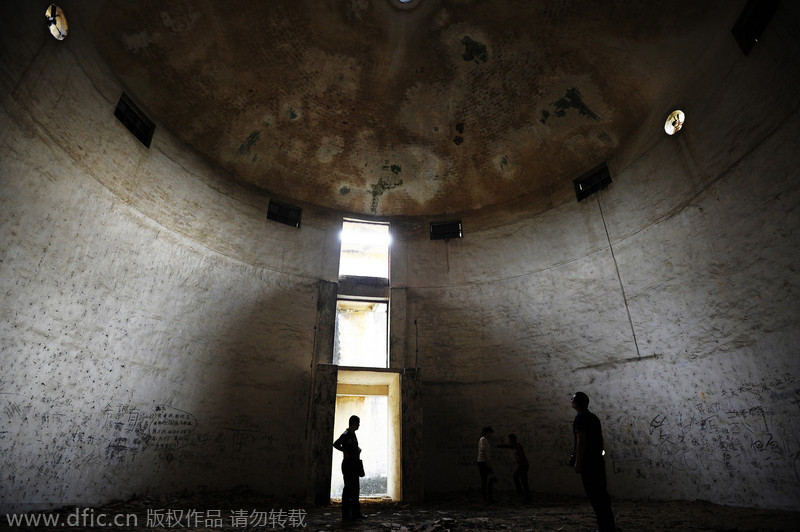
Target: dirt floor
455,512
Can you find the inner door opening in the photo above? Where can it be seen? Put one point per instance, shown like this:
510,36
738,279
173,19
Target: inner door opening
362,334
374,397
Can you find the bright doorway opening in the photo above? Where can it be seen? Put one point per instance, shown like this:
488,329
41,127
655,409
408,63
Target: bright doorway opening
373,396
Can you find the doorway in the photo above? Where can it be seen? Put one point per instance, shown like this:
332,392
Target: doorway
373,396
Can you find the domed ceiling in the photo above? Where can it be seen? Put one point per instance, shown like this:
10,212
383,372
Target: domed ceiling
387,108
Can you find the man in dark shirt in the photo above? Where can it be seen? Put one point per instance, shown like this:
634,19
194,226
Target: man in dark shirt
352,469
589,461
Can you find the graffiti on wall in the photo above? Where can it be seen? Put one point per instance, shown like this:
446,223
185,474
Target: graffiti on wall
116,433
753,425
134,430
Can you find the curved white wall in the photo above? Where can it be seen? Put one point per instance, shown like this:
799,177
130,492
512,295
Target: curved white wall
670,299
158,332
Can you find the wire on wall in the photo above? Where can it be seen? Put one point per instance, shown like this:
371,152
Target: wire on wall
619,277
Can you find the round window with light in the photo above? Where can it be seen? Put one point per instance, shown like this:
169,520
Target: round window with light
404,4
674,122
56,22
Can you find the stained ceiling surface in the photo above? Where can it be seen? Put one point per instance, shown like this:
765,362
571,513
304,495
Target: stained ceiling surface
378,108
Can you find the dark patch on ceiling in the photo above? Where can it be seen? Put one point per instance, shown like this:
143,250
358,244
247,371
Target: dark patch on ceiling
573,100
474,51
379,188
252,139
393,168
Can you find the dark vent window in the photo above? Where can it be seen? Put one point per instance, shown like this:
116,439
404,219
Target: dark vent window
283,213
591,182
752,22
135,120
446,230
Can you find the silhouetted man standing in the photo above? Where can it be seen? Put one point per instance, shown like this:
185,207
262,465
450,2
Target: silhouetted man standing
589,461
352,469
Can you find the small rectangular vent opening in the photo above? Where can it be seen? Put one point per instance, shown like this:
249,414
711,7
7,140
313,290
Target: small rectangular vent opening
135,120
446,230
284,213
752,22
591,182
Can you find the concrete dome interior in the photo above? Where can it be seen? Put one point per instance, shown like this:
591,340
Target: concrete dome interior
161,334
445,107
